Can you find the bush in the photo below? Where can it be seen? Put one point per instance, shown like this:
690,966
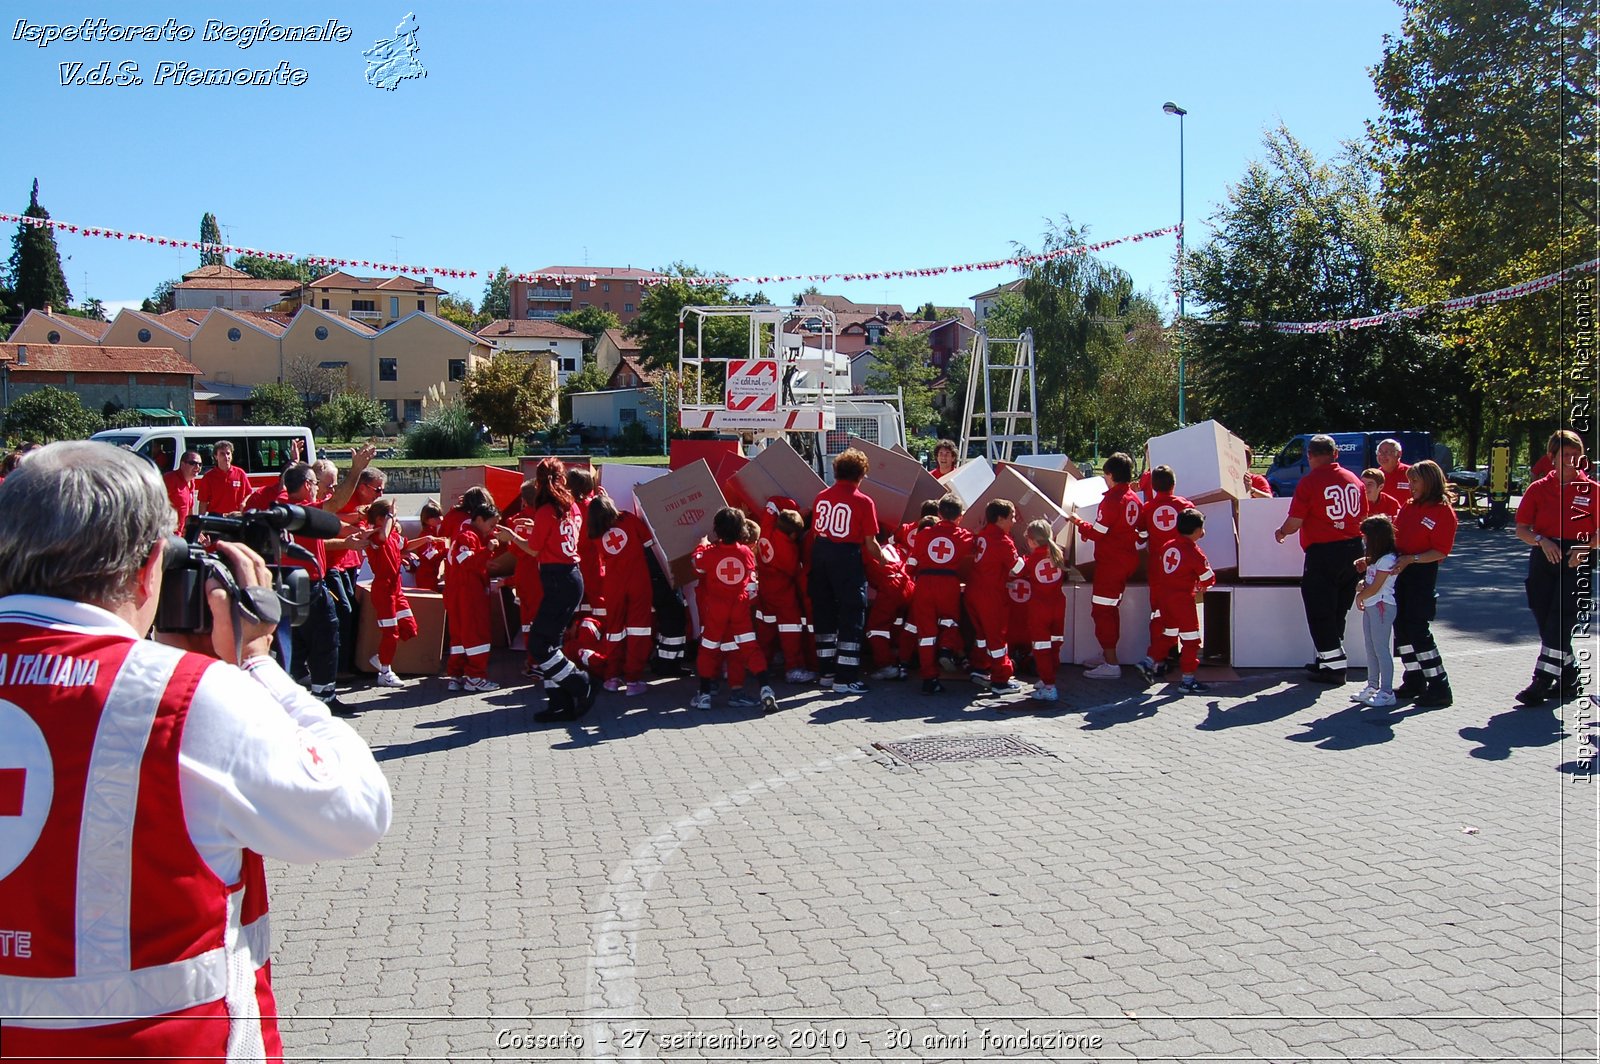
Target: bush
50,414
276,404
448,432
633,439
348,416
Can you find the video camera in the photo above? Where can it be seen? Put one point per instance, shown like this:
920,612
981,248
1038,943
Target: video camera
188,566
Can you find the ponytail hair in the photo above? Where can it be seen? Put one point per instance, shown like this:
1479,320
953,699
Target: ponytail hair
1039,532
548,487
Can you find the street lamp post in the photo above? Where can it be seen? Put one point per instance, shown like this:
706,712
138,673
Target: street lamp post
1173,109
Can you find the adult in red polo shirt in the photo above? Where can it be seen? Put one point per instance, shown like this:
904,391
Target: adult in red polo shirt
180,486
1327,508
225,487
1424,533
845,529
1394,470
1560,519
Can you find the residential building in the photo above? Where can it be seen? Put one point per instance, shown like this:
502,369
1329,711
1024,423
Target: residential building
612,411
157,379
614,346
47,327
542,337
224,286
630,374
216,403
375,301
986,299
617,289
844,305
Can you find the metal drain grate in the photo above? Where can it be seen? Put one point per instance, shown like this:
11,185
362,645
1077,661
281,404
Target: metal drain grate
960,748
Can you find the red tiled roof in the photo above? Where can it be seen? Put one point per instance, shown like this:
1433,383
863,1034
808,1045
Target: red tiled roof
241,283
543,329
85,358
604,273
648,376
341,280
94,330
214,271
276,324
182,322
841,305
623,342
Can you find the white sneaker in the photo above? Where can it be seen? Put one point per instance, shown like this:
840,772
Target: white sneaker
1044,693
389,679
1382,698
614,684
635,689
454,683
1364,694
980,679
888,672
1104,671
1005,687
476,684
701,701
799,676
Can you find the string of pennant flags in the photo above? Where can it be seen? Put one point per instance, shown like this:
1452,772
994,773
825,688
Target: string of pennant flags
1499,295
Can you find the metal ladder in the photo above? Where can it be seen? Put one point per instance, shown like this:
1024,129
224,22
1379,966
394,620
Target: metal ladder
1008,378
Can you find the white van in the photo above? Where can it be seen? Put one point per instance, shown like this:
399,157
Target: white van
260,450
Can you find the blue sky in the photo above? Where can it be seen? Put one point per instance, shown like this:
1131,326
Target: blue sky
753,138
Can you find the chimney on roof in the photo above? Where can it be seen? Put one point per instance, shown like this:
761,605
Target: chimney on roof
47,309
22,354
428,280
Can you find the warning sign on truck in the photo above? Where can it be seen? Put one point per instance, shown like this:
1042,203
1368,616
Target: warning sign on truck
752,385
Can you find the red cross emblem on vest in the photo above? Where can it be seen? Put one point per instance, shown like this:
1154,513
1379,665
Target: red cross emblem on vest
614,541
1021,591
1166,517
731,571
1171,559
767,553
941,550
1131,511
1047,572
981,546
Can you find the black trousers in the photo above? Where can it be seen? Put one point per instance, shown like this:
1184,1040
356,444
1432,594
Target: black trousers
672,616
1327,590
342,586
316,643
1561,599
1416,601
838,587
563,590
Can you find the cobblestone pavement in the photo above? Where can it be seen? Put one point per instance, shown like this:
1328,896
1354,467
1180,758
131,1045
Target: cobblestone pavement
1262,873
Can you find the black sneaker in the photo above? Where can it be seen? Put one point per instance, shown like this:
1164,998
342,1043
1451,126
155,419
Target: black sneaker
947,661
1328,676
1147,670
849,687
1411,686
340,709
1571,684
932,687
1192,687
1437,696
1539,691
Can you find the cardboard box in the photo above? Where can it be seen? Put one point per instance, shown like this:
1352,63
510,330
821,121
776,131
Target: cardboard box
723,470
1083,500
1032,504
1059,463
1053,483
1207,460
421,656
679,509
1133,638
1221,541
970,480
777,470
687,452
1261,557
504,484
620,481
897,485
1269,629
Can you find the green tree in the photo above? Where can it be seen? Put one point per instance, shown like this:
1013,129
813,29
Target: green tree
276,404
656,327
348,415
453,308
510,394
800,298
211,233
903,360
664,396
274,269
592,321
589,379
50,414
496,302
1302,240
92,308
36,276
1487,149
162,299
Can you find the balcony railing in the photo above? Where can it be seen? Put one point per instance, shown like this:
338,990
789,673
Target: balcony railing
542,314
549,293
366,315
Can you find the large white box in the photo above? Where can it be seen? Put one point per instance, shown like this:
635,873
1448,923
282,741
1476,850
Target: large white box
619,480
1221,541
1133,638
1207,460
970,480
1083,500
1269,630
1261,557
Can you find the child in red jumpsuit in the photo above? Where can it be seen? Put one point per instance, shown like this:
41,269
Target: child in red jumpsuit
466,584
425,554
396,623
780,618
1047,606
994,561
1176,575
626,590
891,587
1115,534
1158,526
727,633
942,548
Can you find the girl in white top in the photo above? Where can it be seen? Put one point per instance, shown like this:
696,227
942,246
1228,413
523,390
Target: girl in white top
1375,600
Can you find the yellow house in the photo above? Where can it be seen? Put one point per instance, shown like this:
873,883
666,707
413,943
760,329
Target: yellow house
133,328
237,348
413,355
375,301
46,327
322,339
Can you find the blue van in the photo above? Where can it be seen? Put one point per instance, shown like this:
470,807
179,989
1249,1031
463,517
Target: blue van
1357,451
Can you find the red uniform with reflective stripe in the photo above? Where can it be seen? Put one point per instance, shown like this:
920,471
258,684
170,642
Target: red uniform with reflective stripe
942,550
1047,610
134,922
1184,570
1420,528
892,587
625,589
396,623
1159,520
844,515
726,628
780,617
1330,502
1115,531
1558,512
466,603
591,563
224,493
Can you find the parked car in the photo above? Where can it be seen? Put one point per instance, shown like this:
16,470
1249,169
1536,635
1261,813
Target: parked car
260,450
1357,451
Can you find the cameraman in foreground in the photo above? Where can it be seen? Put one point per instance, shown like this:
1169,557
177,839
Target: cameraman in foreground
141,784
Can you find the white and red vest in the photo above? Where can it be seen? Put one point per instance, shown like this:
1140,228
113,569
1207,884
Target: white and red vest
117,940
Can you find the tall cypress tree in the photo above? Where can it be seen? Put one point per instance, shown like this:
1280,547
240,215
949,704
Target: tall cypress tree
211,233
36,264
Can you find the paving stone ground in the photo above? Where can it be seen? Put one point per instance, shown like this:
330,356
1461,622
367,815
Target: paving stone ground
1263,873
